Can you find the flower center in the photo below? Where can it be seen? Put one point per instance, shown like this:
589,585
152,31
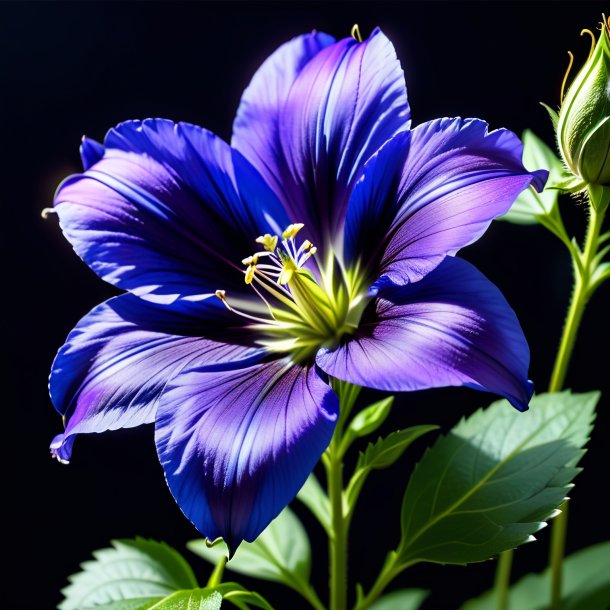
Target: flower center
301,313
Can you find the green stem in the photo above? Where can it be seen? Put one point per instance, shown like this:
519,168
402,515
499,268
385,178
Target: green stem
389,572
339,524
216,576
503,580
580,297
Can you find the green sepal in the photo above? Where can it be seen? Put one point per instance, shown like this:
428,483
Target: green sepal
553,115
381,454
599,196
490,484
567,183
132,569
586,585
403,599
282,553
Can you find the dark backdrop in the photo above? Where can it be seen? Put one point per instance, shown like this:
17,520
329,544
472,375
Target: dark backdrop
74,68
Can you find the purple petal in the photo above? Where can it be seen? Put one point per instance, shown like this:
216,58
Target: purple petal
346,101
91,152
426,197
237,446
256,130
168,212
451,328
115,363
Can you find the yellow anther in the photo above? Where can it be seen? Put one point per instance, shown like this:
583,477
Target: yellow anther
313,251
251,260
269,242
292,230
250,274
356,33
221,295
307,244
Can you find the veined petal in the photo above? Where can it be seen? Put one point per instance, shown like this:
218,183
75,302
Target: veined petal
237,446
427,195
343,105
257,125
115,363
167,212
451,328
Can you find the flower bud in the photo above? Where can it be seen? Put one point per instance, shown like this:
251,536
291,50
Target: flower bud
583,130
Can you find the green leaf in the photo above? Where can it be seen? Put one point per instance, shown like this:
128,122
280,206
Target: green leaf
586,585
316,500
141,603
132,569
487,486
370,418
530,204
382,454
280,554
195,599
241,597
405,599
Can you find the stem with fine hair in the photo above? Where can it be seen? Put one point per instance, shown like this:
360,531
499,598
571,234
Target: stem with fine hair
584,266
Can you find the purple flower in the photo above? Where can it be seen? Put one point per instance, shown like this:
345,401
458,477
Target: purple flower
344,224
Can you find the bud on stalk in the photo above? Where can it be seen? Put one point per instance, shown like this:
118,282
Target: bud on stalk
583,129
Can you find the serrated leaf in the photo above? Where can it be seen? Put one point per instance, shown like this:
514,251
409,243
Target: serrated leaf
141,603
281,553
530,204
405,599
586,585
195,599
382,454
132,569
370,418
490,483
241,597
316,500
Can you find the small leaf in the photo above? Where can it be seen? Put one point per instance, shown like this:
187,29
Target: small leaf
530,204
382,454
195,599
370,418
316,500
280,554
241,597
405,599
586,584
487,486
132,569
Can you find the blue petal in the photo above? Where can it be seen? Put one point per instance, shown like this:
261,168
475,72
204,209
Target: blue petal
346,101
115,363
425,196
451,328
237,446
257,125
91,152
168,212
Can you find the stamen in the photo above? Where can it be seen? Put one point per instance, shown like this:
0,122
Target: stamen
46,212
250,274
590,33
269,242
292,230
356,33
221,294
565,78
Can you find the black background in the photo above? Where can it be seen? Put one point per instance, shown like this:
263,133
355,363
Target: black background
69,69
